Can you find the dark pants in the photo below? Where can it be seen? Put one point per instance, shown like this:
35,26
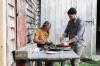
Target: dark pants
47,63
75,49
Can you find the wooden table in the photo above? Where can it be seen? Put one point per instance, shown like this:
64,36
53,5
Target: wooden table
59,56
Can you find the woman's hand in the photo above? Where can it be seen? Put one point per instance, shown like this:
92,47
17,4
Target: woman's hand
43,42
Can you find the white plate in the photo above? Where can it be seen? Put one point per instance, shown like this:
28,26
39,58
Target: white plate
67,48
51,52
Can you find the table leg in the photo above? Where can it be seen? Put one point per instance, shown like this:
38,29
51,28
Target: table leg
32,63
38,63
63,63
49,63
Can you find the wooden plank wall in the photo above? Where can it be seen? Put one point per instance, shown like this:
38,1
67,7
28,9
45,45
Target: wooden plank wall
2,33
10,31
32,18
55,12
21,23
28,17
29,10
28,20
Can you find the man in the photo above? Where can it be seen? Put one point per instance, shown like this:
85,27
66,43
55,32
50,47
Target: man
75,30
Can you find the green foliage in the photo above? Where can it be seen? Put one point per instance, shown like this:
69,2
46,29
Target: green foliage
86,63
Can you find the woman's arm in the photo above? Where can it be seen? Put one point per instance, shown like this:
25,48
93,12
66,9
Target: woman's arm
36,40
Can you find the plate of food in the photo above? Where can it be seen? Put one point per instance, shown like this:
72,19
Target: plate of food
67,49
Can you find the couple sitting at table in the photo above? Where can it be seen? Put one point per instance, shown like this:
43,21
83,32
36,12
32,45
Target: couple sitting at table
74,31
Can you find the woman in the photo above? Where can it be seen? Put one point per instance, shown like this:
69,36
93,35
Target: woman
42,37
42,34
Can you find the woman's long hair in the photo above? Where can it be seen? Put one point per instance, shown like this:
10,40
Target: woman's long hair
45,24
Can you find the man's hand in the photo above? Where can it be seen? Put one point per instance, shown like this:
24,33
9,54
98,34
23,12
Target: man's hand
72,40
65,44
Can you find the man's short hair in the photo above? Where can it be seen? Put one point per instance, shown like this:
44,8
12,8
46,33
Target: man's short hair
72,11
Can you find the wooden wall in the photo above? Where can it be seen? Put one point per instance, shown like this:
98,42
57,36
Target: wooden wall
28,19
2,33
21,23
55,12
10,31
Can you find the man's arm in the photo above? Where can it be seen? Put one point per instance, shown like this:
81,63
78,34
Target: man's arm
65,34
81,30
